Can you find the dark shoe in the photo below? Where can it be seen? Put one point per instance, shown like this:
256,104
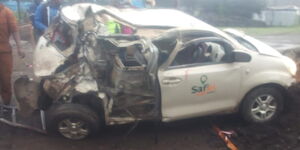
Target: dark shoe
5,111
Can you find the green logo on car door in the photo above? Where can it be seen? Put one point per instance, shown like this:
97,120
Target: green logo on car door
204,87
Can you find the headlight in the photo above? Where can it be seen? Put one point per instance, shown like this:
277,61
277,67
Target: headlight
291,65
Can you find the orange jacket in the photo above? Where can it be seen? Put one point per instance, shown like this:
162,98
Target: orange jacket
8,25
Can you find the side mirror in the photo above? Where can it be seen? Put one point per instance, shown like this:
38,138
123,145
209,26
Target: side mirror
238,56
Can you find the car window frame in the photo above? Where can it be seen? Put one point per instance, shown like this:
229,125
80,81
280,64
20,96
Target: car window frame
204,39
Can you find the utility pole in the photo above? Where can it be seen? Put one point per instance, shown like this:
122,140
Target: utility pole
19,10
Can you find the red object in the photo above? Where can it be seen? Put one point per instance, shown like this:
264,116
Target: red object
127,30
224,135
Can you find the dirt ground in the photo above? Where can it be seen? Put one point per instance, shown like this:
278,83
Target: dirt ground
193,134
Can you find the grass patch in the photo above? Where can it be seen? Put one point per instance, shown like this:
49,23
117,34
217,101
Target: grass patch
269,30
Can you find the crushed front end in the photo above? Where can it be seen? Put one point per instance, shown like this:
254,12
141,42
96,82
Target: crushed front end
113,74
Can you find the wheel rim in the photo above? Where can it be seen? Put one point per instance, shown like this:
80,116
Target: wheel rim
264,107
74,129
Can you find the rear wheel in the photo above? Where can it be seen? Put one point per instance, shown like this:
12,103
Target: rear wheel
262,105
73,121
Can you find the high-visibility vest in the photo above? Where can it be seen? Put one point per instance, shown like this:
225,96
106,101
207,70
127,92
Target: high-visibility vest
113,27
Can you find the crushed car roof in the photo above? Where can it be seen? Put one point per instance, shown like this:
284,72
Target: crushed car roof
139,17
142,18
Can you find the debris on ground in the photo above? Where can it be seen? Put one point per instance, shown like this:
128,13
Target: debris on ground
225,136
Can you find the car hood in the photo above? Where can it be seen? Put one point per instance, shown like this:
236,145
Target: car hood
261,47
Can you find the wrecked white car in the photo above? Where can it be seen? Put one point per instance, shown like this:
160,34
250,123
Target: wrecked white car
94,73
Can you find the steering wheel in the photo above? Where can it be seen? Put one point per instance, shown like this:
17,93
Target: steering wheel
198,53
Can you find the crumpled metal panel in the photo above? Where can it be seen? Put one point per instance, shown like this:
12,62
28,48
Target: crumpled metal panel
46,58
77,12
86,86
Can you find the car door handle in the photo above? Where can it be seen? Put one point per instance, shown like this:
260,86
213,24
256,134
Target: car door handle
171,81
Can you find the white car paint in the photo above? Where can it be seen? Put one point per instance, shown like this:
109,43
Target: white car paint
230,82
178,101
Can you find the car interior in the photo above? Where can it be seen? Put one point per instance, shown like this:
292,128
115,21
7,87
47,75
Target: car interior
204,52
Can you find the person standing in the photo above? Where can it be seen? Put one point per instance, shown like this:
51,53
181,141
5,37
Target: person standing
142,3
44,14
150,3
8,27
138,3
31,12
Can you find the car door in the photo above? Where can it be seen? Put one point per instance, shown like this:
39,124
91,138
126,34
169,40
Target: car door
196,88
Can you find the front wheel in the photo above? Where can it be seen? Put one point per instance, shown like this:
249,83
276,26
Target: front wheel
73,121
262,105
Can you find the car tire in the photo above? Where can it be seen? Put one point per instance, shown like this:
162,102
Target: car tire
262,105
73,121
